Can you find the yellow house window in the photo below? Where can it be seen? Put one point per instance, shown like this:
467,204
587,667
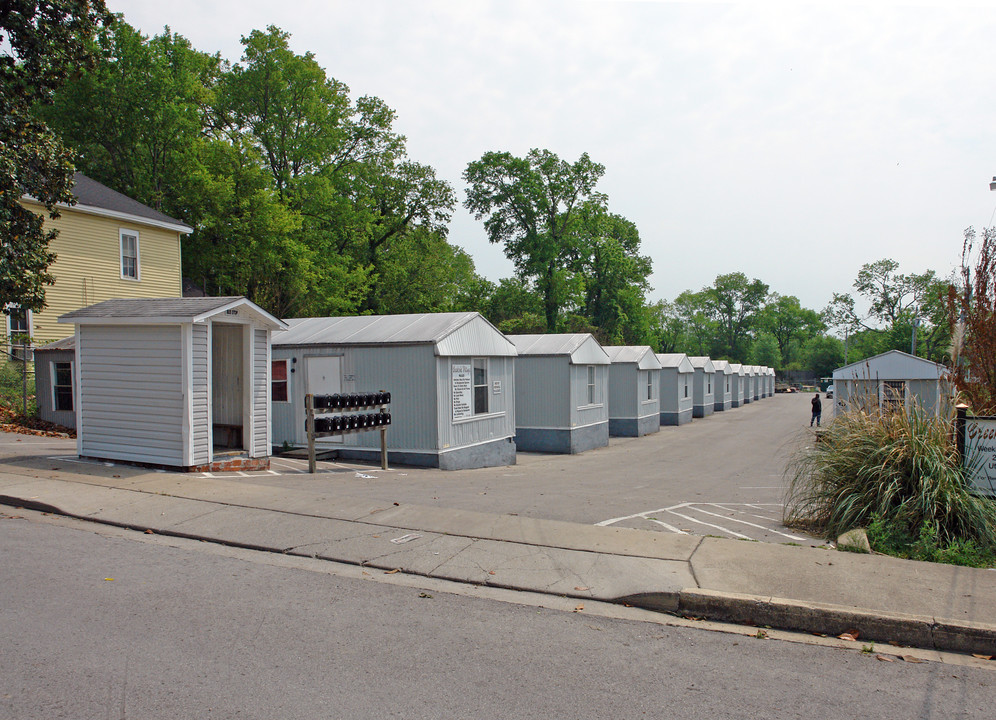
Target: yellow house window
130,269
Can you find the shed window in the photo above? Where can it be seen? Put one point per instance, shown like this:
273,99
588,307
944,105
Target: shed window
650,385
279,380
62,386
591,384
893,394
480,385
709,383
727,384
129,255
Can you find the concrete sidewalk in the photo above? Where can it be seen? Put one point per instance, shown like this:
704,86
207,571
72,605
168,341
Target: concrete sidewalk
796,588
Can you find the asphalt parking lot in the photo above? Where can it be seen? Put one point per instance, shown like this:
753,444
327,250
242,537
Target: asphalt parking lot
723,475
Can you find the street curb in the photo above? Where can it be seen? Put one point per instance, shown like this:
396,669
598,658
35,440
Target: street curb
825,619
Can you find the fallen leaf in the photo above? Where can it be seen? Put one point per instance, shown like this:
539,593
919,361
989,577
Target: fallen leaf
365,572
424,595
391,572
851,635
982,657
580,588
398,504
117,476
492,572
885,658
579,608
912,659
149,532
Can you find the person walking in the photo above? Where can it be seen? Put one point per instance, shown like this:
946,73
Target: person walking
817,411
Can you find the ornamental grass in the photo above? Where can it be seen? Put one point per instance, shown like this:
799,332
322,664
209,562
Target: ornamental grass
898,469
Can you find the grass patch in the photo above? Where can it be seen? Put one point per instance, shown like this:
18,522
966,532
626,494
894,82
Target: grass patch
898,475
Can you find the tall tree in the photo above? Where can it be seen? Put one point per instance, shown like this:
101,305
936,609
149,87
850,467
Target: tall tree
531,205
789,323
42,42
736,302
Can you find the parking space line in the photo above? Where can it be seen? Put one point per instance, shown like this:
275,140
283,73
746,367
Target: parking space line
671,528
717,527
746,522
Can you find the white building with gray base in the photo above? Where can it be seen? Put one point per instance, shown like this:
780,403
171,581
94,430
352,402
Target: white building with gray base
722,390
677,374
451,377
703,398
634,390
561,393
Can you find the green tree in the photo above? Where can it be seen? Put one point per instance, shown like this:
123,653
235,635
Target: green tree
42,43
531,205
789,323
700,328
736,302
823,354
764,351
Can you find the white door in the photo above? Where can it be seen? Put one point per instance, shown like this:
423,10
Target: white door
323,376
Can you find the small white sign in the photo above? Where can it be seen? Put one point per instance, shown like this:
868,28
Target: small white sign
463,391
980,453
496,387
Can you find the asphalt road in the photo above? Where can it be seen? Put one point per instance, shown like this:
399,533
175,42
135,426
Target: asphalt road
98,622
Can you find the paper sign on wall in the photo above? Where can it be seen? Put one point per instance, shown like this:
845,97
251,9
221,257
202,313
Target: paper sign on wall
463,391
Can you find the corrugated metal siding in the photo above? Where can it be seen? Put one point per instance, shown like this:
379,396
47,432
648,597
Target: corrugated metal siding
408,372
260,393
87,268
543,394
499,423
131,399
623,390
200,376
582,413
700,387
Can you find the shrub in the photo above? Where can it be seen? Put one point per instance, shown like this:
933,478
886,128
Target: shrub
896,473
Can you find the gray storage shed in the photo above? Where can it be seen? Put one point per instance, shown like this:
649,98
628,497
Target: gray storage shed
676,388
894,379
55,389
561,393
750,383
451,377
736,385
703,403
722,391
634,391
174,382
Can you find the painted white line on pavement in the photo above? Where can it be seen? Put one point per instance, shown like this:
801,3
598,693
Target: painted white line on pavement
631,517
671,528
745,522
717,527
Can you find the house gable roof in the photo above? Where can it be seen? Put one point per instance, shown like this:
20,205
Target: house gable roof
702,362
891,365
163,311
95,198
581,348
679,361
642,355
452,334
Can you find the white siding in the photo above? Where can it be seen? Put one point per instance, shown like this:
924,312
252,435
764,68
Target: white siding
200,374
260,394
131,402
498,423
583,414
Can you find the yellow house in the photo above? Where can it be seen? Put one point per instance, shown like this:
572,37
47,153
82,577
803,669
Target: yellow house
109,246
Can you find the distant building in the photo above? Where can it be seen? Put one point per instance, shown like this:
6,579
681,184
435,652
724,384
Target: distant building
892,380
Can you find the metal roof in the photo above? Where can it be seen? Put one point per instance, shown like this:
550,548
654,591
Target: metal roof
891,365
703,362
570,344
67,343
138,311
642,355
737,368
675,360
722,366
414,329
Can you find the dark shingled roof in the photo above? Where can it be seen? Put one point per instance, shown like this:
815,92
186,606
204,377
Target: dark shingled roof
90,193
151,307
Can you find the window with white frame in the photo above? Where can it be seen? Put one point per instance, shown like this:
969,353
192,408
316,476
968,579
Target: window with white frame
130,269
591,385
480,386
62,386
650,385
18,331
685,380
279,381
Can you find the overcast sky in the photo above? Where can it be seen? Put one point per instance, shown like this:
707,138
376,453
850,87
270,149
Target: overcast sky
793,142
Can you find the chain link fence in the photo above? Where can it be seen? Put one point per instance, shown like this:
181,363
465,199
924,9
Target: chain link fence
17,380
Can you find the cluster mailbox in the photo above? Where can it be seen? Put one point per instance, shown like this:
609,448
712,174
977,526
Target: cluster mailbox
319,421
341,423
346,401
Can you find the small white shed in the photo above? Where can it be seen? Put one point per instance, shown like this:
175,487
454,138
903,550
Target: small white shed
703,404
736,385
722,391
750,383
451,377
561,393
174,382
676,388
634,391
894,379
770,380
